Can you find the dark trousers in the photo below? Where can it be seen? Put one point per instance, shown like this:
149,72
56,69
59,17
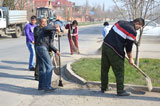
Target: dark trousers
45,67
73,39
111,58
36,73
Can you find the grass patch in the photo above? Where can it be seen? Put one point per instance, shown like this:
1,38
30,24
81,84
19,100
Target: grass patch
90,69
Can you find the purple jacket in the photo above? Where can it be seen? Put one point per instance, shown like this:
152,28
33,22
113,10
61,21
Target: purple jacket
29,28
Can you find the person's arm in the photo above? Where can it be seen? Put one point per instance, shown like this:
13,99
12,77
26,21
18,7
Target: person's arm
27,32
129,54
67,26
129,45
49,28
55,50
76,32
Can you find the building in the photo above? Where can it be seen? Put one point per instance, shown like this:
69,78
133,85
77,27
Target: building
42,3
63,8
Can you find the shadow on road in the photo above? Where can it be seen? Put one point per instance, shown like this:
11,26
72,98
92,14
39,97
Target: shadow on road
12,68
6,75
70,92
13,62
84,92
19,89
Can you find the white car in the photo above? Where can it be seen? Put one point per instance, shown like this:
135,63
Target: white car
151,28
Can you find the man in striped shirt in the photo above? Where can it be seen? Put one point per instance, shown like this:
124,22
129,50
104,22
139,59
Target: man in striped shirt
120,37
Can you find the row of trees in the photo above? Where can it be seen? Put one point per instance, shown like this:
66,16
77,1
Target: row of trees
13,4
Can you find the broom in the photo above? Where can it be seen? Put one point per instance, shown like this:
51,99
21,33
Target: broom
74,46
148,80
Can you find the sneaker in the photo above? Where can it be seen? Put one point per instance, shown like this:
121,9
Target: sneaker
124,93
32,69
40,89
103,91
71,53
49,89
36,78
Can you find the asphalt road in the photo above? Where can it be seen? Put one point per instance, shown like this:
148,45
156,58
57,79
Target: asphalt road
18,87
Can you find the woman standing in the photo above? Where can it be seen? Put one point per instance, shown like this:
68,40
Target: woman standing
73,36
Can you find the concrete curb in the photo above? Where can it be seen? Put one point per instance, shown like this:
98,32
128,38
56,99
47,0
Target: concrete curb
74,77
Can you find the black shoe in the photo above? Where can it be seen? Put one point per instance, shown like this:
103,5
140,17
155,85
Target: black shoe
123,94
40,89
36,79
49,89
32,69
103,90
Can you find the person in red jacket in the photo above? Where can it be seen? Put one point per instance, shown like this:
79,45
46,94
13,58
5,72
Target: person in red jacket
73,36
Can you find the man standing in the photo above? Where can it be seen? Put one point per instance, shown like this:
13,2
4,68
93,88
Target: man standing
121,35
37,31
44,45
29,28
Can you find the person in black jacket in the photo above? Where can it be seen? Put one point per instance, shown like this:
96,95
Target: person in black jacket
44,45
37,31
121,35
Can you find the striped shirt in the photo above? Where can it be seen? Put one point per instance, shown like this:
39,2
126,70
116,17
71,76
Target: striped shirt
121,35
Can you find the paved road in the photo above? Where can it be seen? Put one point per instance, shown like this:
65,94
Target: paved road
18,87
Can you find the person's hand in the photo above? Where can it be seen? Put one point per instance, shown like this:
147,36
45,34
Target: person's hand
58,53
32,42
58,28
131,61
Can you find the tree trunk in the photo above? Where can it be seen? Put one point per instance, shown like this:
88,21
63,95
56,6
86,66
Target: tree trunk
137,56
138,47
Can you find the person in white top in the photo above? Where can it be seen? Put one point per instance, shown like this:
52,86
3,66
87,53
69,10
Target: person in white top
105,29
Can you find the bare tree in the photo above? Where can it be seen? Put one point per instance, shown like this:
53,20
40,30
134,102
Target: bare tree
139,8
20,4
8,3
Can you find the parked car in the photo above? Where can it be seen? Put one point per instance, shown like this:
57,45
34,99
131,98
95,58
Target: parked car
151,28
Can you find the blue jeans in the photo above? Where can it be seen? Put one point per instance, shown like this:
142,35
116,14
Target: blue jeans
45,67
32,54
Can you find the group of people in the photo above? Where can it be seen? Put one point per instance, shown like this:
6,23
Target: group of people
117,40
40,43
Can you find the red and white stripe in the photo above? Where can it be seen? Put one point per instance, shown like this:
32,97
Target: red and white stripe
123,33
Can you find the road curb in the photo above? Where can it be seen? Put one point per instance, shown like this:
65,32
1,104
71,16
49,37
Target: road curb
72,76
75,78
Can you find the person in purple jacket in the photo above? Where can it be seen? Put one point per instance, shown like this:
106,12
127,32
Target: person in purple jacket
29,28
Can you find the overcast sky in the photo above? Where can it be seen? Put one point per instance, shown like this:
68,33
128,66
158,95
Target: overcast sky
108,3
